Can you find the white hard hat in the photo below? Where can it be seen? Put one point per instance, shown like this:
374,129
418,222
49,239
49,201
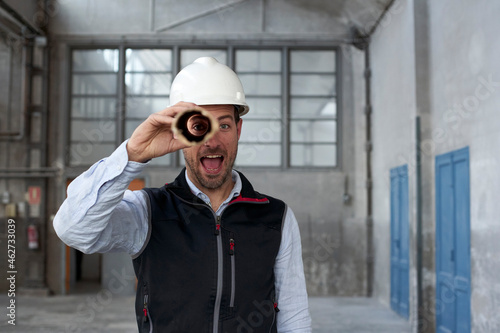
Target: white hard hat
208,82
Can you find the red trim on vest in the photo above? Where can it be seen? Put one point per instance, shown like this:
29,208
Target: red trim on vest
239,198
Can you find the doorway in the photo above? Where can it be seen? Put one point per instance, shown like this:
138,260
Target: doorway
400,262
453,242
84,272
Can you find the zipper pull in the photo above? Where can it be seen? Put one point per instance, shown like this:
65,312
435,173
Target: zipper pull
276,307
217,225
275,304
231,246
145,309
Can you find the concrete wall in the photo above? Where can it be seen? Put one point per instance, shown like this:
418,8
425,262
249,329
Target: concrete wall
437,60
465,99
333,233
198,17
394,108
12,151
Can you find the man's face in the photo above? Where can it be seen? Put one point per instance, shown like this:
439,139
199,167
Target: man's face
209,165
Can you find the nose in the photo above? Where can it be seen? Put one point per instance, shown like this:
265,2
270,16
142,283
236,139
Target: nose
214,141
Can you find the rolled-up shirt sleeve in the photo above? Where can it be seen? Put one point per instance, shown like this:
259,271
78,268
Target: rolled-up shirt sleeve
290,281
99,213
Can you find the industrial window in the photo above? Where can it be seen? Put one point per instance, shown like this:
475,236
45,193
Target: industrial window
313,109
291,93
261,137
94,101
10,65
148,74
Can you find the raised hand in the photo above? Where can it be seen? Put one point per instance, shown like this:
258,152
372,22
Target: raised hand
154,137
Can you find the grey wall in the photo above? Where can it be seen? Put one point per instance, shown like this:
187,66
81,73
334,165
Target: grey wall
465,113
393,99
434,59
317,19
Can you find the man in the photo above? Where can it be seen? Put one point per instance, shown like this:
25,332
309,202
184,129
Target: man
210,253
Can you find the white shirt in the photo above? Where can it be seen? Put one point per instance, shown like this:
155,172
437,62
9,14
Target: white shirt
101,215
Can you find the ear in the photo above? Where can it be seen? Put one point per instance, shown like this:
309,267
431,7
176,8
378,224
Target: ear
238,127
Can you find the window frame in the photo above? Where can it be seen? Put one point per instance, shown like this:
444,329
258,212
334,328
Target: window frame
337,118
284,47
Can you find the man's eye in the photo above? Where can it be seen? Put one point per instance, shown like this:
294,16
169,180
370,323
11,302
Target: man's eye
224,126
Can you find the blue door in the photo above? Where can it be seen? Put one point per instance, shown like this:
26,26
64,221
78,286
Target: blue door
400,283
453,242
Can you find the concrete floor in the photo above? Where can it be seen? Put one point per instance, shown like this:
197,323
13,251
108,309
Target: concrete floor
100,312
354,315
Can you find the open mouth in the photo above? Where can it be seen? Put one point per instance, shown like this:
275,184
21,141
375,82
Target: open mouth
212,163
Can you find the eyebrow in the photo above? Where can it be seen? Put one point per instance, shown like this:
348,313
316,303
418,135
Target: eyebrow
225,116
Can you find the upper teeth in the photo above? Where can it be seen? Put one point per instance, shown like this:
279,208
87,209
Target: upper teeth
213,156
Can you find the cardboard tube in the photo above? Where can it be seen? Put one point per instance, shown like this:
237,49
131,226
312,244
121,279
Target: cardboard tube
194,127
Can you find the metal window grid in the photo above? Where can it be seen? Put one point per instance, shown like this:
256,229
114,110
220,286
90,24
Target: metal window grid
285,97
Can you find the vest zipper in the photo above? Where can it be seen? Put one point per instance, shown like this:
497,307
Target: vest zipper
233,272
218,296
217,226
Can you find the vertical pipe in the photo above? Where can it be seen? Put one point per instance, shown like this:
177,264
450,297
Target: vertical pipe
419,222
264,22
45,104
285,100
10,77
176,67
29,98
44,114
368,148
423,107
122,96
152,6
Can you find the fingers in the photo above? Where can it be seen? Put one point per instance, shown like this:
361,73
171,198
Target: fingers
158,119
179,107
154,137
178,145
166,116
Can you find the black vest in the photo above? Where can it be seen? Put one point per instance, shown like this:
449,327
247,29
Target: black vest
198,273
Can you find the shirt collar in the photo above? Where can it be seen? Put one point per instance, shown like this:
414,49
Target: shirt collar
234,193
